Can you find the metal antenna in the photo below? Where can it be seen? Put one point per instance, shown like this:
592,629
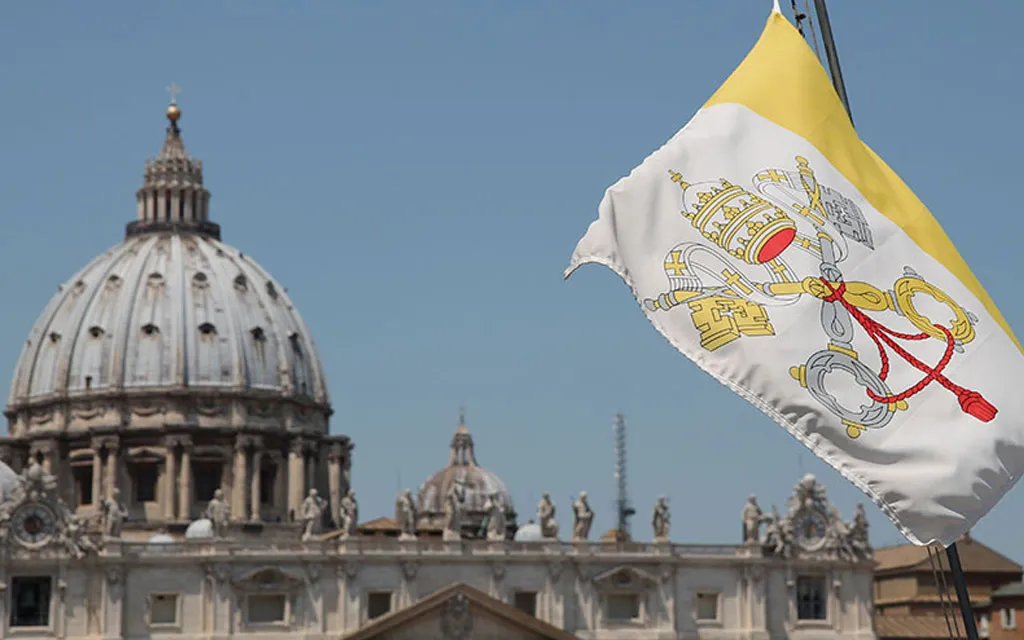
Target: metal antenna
623,507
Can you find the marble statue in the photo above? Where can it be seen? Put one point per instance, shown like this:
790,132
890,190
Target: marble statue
660,520
858,532
778,536
752,517
406,515
583,517
349,514
312,515
114,515
454,505
218,513
546,517
494,507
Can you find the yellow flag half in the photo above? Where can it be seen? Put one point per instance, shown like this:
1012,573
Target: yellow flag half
777,251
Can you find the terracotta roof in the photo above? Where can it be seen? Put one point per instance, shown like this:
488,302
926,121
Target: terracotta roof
477,598
379,524
911,627
975,557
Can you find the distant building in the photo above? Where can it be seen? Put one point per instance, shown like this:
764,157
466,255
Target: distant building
170,473
1000,615
908,603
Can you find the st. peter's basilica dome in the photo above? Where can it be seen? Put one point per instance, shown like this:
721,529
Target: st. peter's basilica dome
173,366
170,308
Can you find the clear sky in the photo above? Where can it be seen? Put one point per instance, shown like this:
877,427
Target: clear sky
418,173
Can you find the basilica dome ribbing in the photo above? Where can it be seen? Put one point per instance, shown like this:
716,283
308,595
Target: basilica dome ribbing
171,309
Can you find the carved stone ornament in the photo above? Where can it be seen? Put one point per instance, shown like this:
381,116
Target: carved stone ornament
313,570
218,572
147,408
813,528
410,569
457,618
267,579
628,579
753,573
350,569
665,572
498,570
34,517
115,575
556,567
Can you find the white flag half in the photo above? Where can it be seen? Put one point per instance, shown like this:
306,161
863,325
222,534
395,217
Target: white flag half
773,248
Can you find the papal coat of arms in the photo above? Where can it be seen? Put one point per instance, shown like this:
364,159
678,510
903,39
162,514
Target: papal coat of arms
731,279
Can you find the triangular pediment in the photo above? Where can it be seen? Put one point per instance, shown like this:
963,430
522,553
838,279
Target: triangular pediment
267,579
458,611
625,579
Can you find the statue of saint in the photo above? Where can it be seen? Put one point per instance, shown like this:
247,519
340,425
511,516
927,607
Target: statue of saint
583,517
218,513
453,507
406,515
312,514
349,516
546,517
114,515
752,517
496,524
660,520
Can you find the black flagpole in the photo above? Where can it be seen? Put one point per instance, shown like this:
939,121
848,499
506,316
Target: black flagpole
952,553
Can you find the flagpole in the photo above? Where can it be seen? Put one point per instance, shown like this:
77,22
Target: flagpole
831,54
952,553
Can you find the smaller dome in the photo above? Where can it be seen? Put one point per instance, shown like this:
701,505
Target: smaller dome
477,483
529,532
199,529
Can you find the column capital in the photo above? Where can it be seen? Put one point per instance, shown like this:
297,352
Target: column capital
246,441
110,443
297,446
178,440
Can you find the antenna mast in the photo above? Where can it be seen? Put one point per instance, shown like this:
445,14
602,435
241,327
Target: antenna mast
623,507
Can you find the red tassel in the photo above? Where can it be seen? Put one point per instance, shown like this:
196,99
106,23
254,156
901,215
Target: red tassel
972,403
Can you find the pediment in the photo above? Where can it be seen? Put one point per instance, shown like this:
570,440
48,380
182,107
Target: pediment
459,612
267,579
625,579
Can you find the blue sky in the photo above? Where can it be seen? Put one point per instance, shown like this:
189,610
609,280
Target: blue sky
417,174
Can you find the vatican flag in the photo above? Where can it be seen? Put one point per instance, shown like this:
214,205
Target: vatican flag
773,248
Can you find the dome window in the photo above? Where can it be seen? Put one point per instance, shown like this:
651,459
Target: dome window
199,278
207,329
241,284
54,337
96,332
155,278
150,329
272,290
258,335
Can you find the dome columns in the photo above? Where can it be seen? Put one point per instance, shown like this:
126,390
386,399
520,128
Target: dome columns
339,472
245,490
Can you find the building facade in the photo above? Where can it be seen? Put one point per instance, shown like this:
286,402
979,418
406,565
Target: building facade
169,473
914,593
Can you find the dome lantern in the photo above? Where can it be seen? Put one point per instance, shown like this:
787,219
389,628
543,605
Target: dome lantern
172,195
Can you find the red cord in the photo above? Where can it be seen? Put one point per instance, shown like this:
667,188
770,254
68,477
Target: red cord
971,402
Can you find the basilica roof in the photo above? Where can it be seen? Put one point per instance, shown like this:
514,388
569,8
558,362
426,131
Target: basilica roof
169,308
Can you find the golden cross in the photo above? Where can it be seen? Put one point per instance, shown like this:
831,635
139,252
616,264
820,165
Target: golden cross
673,264
174,90
734,280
